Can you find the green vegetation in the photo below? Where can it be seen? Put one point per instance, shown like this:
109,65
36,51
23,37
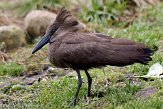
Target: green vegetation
116,95
103,11
11,69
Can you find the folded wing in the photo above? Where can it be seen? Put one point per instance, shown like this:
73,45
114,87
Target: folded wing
86,50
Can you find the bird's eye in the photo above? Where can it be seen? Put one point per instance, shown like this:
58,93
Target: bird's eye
75,22
53,30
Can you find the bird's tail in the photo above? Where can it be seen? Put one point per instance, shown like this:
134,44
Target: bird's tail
145,56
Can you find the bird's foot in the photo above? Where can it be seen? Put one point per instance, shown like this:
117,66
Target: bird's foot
72,102
88,100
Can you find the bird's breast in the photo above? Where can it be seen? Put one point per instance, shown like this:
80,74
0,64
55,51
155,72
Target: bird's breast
54,55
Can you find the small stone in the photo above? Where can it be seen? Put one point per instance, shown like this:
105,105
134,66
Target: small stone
30,81
55,71
146,92
36,23
71,74
12,37
17,87
45,79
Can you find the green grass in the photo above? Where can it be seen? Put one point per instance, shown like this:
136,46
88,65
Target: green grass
59,93
117,95
11,69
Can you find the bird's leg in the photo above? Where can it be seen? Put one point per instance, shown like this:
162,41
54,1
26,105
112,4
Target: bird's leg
89,83
79,85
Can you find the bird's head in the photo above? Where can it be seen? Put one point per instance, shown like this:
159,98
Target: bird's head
63,22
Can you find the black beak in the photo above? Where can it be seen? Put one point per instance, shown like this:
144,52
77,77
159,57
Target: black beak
42,42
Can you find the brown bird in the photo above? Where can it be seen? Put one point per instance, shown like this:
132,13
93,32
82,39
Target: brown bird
70,48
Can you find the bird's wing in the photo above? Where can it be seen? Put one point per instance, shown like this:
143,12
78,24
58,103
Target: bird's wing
102,35
115,40
94,51
80,37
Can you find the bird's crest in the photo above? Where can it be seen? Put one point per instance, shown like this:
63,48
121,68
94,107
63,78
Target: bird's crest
62,15
65,21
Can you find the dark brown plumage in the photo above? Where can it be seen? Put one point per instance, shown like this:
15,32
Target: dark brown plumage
69,48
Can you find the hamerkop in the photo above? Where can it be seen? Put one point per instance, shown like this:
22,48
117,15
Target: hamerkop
70,48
